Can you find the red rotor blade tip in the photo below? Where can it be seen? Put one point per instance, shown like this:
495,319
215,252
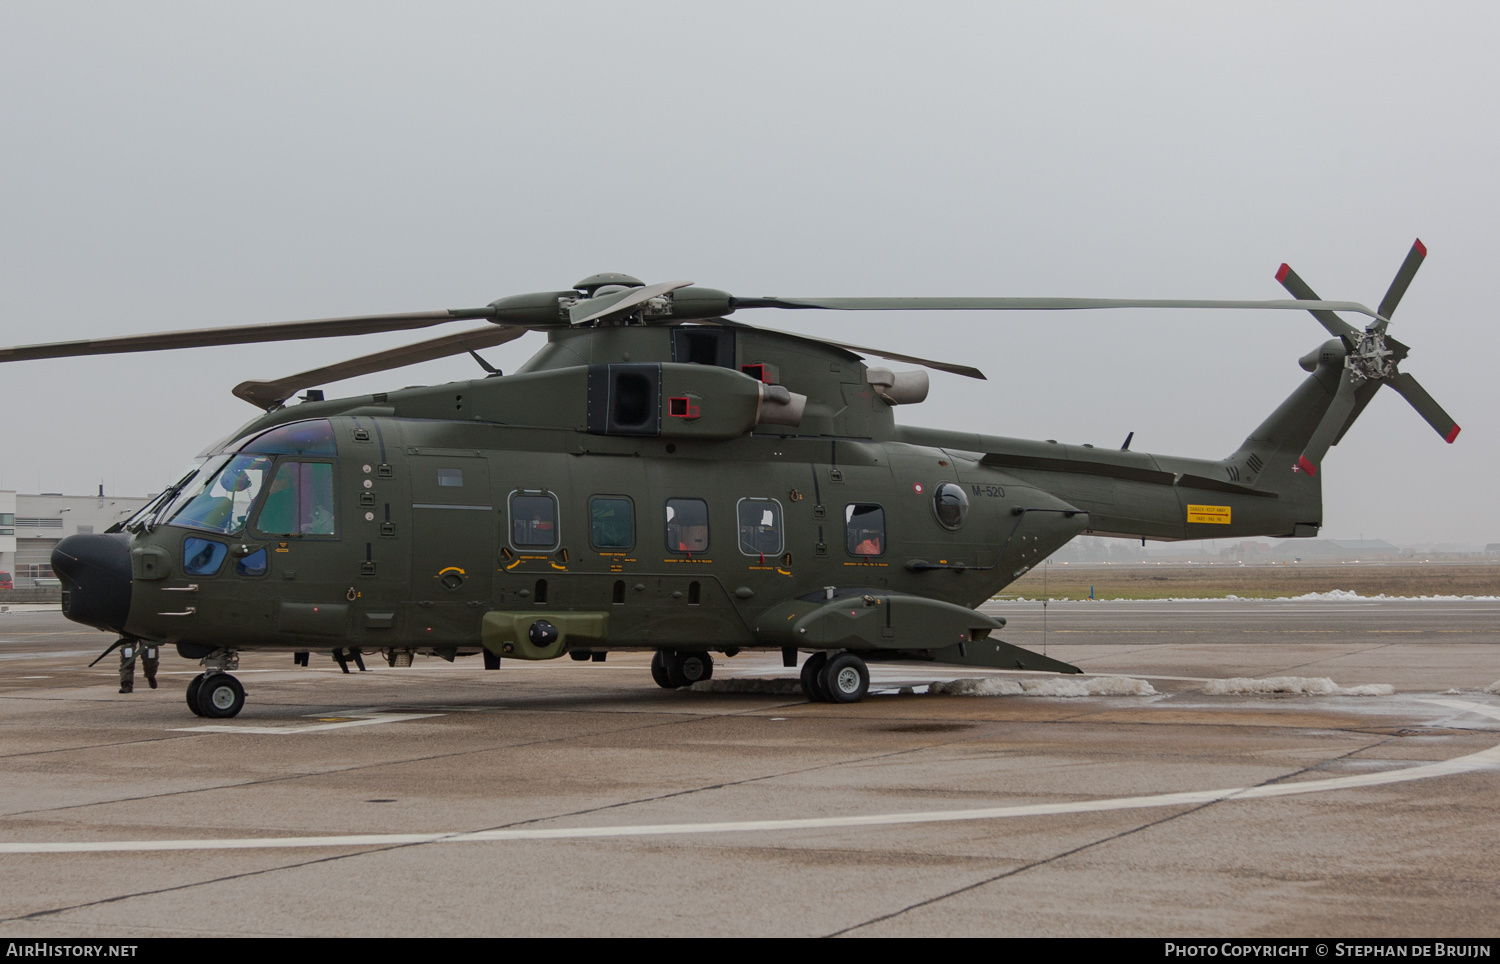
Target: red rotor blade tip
1421,248
1306,466
1452,435
1281,272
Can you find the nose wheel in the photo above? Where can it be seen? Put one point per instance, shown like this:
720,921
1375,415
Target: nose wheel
192,694
217,696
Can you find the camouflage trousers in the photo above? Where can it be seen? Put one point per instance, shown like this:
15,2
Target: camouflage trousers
129,654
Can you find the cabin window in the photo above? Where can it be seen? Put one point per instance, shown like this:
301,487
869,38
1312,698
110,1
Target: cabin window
300,501
611,522
533,521
864,529
687,525
951,503
760,527
223,499
450,478
200,557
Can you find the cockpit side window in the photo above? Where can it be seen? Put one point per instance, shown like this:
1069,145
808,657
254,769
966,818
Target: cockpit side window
300,501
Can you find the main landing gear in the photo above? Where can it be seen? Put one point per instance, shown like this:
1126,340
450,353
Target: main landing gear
672,668
214,693
835,678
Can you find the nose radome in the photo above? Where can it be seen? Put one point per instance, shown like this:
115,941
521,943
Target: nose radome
95,573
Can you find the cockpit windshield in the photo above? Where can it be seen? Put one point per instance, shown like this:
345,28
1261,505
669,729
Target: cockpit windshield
154,507
313,437
221,499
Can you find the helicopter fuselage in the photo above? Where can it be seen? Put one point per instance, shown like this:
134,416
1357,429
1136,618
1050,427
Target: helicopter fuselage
630,497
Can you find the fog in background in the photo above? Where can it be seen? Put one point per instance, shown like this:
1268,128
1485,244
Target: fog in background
192,165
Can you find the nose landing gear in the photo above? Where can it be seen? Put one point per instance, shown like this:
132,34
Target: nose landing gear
214,693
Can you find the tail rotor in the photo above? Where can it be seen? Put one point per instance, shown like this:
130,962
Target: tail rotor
1370,358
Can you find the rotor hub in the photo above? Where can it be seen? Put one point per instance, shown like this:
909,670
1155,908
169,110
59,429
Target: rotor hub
594,282
1371,358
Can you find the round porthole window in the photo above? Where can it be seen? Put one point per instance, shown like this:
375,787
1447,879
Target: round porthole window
951,504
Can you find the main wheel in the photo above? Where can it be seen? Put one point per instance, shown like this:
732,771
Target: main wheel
812,672
694,667
659,670
220,696
192,694
845,679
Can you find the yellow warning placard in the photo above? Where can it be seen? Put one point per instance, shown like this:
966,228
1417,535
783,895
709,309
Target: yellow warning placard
1214,514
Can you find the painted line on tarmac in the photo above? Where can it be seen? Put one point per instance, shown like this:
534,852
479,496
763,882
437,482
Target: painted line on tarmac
326,722
1464,764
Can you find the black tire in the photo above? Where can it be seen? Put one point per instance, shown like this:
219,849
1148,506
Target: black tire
694,667
812,673
846,679
220,697
192,694
659,670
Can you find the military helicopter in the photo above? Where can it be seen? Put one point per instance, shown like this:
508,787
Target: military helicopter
660,477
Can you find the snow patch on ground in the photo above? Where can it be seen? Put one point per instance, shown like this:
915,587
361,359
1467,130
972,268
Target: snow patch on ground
1000,686
1351,596
1298,685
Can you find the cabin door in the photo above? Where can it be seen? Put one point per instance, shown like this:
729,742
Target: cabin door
454,528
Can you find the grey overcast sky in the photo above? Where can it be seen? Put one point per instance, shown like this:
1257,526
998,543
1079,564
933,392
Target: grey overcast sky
187,165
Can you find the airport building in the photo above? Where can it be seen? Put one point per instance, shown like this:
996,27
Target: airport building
30,525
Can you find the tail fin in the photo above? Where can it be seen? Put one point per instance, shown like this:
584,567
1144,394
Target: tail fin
1270,456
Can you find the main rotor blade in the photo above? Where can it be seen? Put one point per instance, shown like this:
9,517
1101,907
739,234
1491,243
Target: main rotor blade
244,334
1425,406
1404,274
1032,304
1337,327
950,367
269,394
636,296
1331,425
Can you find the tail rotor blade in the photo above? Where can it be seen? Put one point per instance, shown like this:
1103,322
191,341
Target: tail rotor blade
1425,406
1302,291
1403,278
1332,424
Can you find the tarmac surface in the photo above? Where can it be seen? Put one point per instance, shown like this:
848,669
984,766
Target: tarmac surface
571,798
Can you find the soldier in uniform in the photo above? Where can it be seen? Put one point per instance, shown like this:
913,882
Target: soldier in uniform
130,651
